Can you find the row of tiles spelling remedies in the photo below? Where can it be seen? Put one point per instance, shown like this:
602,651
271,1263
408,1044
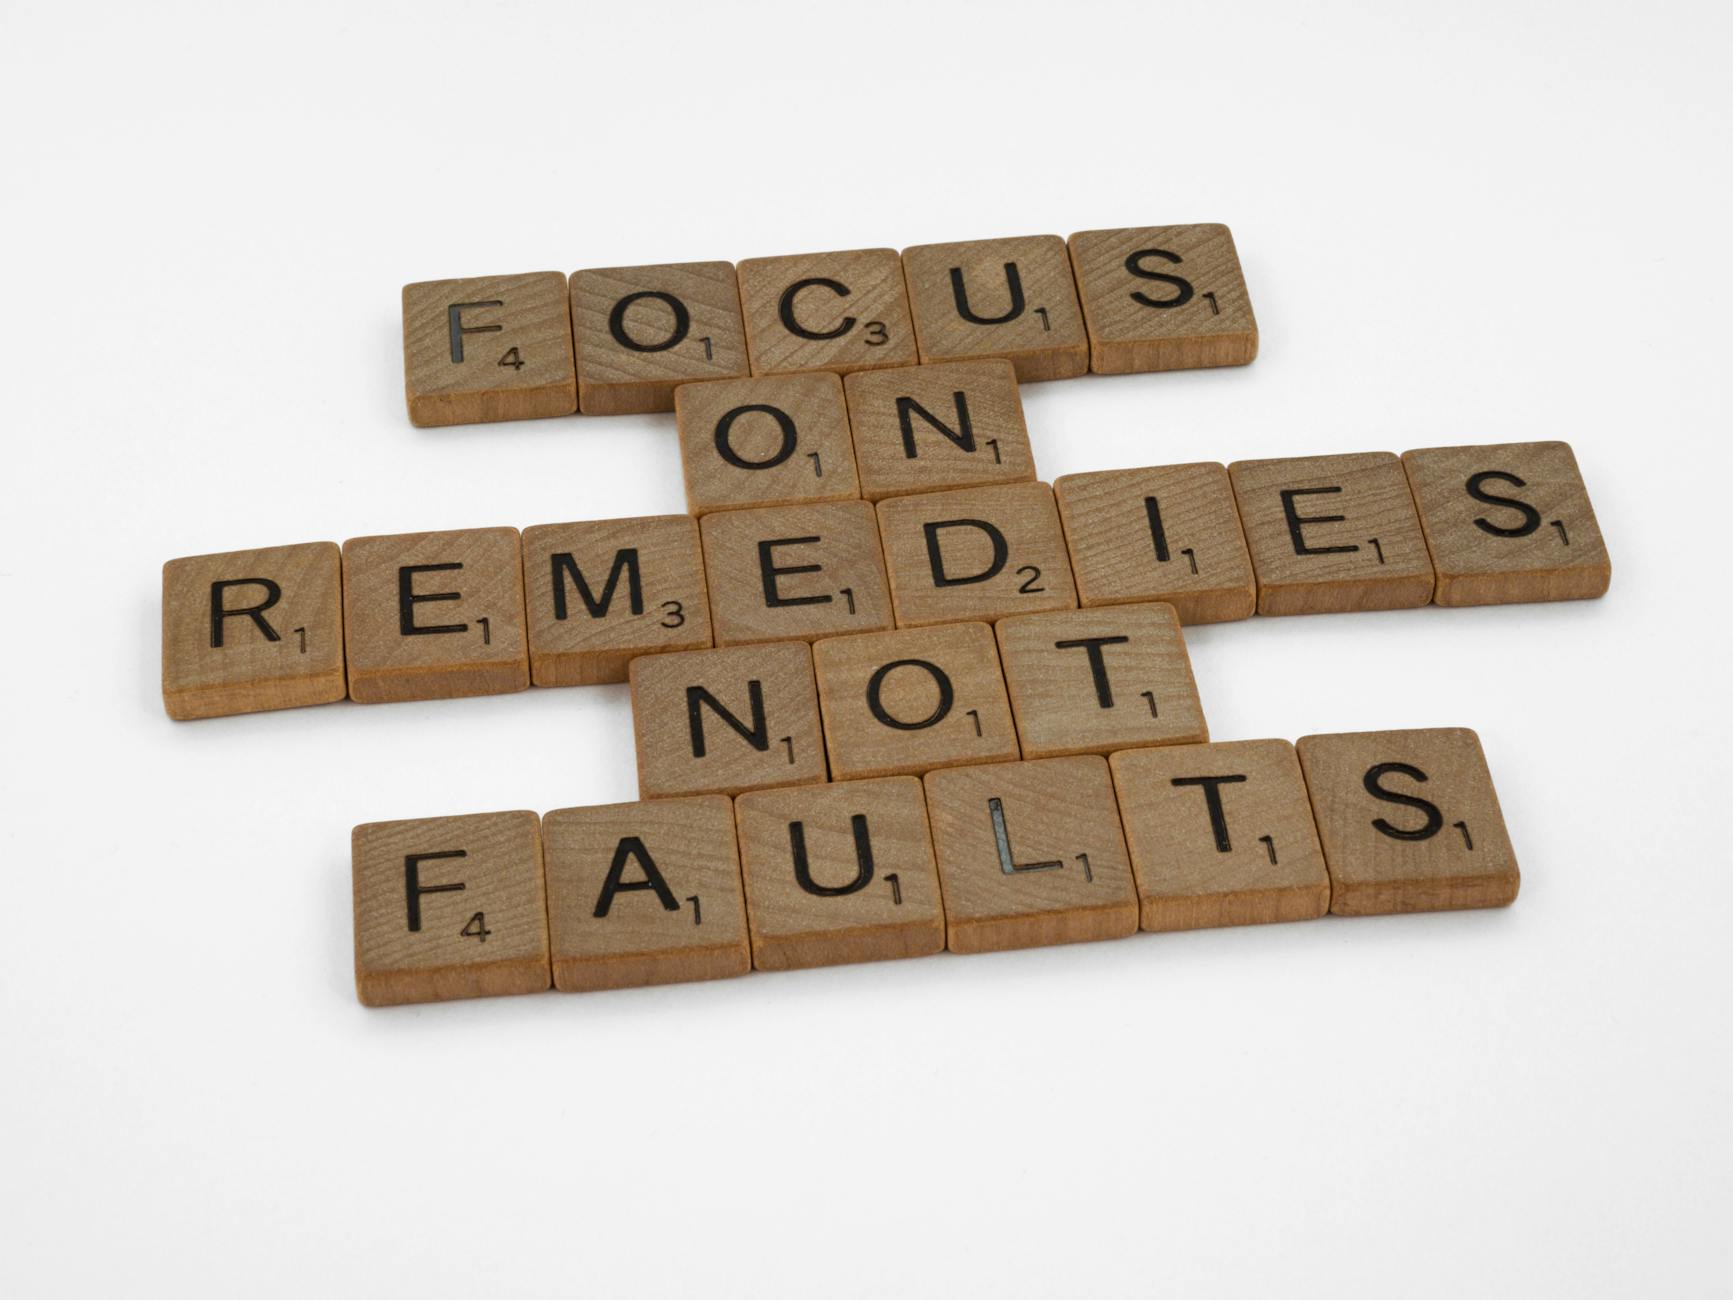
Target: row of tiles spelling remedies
973,859
619,340
439,615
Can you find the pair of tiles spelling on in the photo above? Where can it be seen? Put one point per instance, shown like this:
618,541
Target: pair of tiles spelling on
435,615
620,340
974,859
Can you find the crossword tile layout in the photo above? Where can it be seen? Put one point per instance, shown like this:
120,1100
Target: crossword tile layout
892,694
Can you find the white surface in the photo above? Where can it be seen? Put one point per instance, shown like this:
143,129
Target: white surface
1481,223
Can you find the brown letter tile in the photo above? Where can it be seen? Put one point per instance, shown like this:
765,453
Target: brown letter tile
1010,298
640,330
490,348
827,311
449,907
645,893
248,631
839,873
1409,821
778,440
1220,834
928,428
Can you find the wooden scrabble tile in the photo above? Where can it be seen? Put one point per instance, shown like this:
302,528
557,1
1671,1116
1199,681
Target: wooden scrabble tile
722,721
928,428
1508,523
1330,534
640,330
1169,533
1089,681
1409,821
1220,834
913,700
1163,298
827,311
433,616
495,347
603,592
645,893
449,907
247,631
839,873
795,572
1010,298
778,440
975,554
1030,854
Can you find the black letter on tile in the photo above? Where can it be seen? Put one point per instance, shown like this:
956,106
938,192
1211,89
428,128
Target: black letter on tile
1434,818
1212,796
454,324
769,571
1013,282
725,426
757,735
1157,533
407,600
630,847
1296,520
963,435
565,569
617,321
413,889
863,852
785,309
1530,516
1097,663
875,688
273,593
1134,264
936,558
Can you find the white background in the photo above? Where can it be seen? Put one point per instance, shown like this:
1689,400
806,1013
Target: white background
1468,223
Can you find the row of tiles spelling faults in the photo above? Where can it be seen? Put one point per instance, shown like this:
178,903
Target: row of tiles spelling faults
622,339
481,611
970,859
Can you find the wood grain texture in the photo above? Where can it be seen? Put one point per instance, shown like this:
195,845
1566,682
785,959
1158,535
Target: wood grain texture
1163,298
1030,854
1170,533
839,311
1220,835
930,428
602,592
1011,298
776,440
913,700
723,721
975,555
433,616
1508,523
639,331
495,347
1090,681
795,572
449,907
645,893
1409,821
839,873
248,631
1331,534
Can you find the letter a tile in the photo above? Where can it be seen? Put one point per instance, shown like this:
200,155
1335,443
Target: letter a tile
839,873
1030,854
1409,821
645,893
449,907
